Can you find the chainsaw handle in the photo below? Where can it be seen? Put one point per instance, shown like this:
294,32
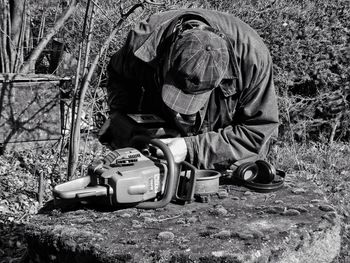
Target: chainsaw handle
170,177
185,191
77,189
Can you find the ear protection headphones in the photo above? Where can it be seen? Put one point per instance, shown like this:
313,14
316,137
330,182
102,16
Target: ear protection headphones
260,176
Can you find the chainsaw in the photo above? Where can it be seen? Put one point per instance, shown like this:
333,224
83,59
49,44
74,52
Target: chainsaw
128,177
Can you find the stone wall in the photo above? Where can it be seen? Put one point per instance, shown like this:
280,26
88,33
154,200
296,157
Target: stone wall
30,109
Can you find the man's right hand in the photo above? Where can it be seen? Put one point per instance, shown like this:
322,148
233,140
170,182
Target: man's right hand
178,148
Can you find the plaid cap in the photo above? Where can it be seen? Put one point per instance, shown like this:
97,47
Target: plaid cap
197,64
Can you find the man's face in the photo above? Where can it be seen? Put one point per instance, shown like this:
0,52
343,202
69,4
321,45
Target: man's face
184,122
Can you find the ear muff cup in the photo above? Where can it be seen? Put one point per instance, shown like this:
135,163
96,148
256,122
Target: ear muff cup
247,172
266,172
260,176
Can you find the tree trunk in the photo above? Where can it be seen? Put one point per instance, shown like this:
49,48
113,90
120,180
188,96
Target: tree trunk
4,33
17,13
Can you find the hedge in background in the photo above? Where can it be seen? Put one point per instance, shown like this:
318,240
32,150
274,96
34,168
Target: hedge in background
309,42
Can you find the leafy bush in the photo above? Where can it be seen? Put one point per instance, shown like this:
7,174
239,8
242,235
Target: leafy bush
309,43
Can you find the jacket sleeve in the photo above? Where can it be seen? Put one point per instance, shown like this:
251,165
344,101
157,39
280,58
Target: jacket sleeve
124,91
130,66
255,121
123,88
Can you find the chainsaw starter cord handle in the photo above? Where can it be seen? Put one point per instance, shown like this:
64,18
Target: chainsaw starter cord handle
170,177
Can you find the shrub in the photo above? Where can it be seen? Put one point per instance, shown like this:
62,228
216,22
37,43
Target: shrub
308,40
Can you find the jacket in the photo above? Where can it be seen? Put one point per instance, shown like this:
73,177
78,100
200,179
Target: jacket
241,116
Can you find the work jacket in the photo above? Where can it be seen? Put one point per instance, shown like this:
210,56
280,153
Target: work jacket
241,115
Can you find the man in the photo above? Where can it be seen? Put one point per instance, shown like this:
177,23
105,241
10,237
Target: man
208,74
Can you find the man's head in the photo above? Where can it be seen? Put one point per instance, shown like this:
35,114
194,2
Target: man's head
195,66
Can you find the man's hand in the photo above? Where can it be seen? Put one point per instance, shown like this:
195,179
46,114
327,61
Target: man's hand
178,148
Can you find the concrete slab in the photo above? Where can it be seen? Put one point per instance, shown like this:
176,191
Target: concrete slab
295,224
30,109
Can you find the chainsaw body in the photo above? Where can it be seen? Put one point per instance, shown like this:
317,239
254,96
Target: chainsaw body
126,177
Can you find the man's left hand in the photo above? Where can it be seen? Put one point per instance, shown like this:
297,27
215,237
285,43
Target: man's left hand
178,148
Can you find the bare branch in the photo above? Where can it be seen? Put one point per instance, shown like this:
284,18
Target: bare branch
130,11
75,131
155,3
89,36
74,137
